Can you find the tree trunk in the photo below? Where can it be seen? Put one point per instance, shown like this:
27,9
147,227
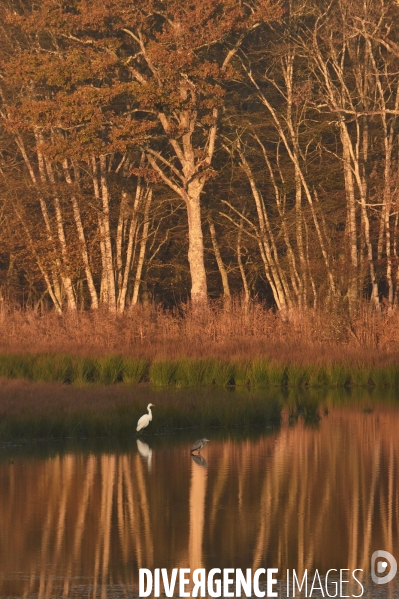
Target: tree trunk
219,261
267,246
199,291
143,245
351,218
82,240
241,266
107,234
141,192
54,289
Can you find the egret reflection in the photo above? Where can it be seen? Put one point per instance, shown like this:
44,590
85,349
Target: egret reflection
146,452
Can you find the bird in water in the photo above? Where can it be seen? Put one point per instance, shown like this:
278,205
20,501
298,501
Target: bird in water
146,419
198,445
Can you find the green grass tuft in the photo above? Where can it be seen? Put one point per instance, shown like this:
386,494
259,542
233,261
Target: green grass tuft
297,376
318,376
135,370
192,373
242,370
163,372
385,377
83,370
51,367
338,375
360,376
17,366
277,374
223,373
109,370
259,373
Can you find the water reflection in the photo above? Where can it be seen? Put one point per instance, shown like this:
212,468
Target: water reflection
301,497
146,452
199,460
198,489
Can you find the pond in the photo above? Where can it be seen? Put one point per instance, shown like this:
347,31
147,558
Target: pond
80,518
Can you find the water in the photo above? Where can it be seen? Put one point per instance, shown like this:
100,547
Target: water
79,519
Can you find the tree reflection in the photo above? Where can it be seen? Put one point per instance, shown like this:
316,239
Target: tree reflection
299,498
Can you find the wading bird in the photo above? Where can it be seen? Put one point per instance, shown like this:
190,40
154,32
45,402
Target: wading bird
198,445
146,419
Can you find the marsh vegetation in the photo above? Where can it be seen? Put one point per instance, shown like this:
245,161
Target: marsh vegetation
253,373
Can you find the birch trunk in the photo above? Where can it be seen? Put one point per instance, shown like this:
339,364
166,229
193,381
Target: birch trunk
119,240
54,298
219,260
299,237
295,160
141,191
54,288
280,199
359,178
66,279
266,240
199,292
57,272
107,235
107,288
188,183
351,217
104,275
82,240
395,254
293,128
241,266
143,246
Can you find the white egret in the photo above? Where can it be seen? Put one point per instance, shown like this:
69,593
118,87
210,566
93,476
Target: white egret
198,445
146,419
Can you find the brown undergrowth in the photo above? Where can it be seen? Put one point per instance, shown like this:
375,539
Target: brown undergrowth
234,331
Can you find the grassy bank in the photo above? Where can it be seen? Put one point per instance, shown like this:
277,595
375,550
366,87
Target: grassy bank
253,373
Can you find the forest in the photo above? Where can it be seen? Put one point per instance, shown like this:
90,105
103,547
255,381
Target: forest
167,151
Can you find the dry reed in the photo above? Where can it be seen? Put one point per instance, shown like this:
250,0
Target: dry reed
235,332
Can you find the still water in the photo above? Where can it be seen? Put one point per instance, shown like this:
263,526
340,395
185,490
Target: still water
79,520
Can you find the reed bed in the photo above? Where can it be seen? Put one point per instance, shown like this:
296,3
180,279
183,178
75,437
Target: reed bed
188,372
234,331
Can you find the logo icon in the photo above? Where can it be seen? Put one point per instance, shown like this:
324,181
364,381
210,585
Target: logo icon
382,559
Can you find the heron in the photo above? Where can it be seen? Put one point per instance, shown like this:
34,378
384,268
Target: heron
146,419
198,445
